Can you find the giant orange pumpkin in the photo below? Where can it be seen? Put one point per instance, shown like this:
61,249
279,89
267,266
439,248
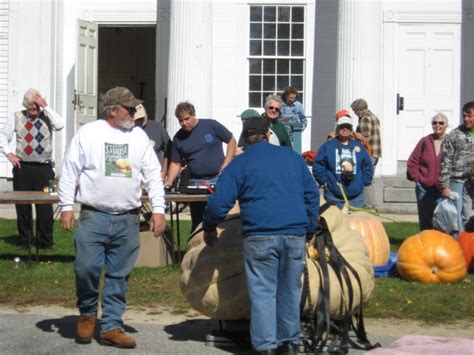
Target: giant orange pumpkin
375,238
431,256
466,240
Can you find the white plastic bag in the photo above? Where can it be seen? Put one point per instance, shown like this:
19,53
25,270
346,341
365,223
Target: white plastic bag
445,216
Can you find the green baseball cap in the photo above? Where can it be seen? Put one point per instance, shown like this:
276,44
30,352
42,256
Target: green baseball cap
249,114
120,95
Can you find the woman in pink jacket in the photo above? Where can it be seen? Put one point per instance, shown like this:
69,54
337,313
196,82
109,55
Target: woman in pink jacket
423,167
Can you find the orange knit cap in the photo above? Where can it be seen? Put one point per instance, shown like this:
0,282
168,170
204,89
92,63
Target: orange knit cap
342,113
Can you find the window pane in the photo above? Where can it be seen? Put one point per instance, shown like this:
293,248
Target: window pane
255,13
255,66
283,48
298,14
283,66
283,31
269,83
269,66
255,100
297,82
256,47
255,30
284,14
255,83
297,67
270,13
283,81
269,30
297,31
297,48
301,97
268,47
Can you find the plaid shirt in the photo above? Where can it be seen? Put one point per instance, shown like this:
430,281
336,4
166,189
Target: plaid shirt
369,126
458,156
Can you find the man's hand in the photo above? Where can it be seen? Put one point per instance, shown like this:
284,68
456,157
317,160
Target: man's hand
67,220
210,238
16,162
445,192
40,101
157,224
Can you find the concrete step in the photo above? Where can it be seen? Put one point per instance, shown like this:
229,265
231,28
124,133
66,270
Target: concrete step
398,181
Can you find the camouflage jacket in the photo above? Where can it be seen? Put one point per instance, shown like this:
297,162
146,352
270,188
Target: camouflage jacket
458,157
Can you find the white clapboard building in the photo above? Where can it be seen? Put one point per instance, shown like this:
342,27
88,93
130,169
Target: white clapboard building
408,58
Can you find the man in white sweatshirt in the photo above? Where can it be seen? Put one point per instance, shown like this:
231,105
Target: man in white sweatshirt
103,169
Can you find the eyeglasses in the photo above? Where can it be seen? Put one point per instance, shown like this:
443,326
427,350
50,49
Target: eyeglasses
273,108
131,110
468,114
439,123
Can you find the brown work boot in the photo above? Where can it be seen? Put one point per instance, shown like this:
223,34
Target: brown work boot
117,337
85,328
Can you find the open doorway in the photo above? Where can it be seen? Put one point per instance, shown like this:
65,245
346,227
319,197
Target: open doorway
127,58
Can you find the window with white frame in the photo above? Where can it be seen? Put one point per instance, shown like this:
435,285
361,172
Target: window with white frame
276,52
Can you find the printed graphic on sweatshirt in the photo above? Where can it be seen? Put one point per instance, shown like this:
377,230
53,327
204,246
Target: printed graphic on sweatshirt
117,163
346,161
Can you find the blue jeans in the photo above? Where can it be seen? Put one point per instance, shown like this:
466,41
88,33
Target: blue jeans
458,187
357,201
273,267
110,242
427,198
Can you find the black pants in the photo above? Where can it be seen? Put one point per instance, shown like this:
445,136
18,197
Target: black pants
34,177
197,212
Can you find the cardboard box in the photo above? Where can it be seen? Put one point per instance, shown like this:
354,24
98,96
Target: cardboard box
156,252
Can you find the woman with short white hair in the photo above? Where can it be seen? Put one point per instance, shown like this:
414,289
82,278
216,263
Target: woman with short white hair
423,167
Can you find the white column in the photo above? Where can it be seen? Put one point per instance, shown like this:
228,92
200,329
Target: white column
359,62
190,60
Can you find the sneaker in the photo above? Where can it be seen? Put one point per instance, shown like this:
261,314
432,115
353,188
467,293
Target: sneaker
85,328
47,246
117,337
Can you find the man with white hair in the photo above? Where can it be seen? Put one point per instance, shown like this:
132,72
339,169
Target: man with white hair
109,159
32,160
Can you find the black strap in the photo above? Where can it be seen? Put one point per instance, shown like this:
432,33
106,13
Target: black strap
328,335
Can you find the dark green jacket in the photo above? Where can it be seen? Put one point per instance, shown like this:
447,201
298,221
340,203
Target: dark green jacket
278,129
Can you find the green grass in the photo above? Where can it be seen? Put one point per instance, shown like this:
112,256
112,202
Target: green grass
51,281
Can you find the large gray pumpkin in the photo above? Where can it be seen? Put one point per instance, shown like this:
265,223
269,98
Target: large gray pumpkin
213,279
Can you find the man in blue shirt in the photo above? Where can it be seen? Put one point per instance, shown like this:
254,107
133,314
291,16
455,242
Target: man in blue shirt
198,144
279,204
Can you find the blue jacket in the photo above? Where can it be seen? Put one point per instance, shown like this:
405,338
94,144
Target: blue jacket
327,168
275,190
294,113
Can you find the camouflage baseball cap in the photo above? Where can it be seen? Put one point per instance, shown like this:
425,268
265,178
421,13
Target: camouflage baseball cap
120,95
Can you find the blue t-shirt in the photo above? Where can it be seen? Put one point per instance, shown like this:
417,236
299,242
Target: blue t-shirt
201,148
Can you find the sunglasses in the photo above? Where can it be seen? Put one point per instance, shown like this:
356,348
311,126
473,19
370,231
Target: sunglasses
273,108
131,110
439,123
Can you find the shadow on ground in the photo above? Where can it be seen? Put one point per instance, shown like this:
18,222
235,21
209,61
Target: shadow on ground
207,331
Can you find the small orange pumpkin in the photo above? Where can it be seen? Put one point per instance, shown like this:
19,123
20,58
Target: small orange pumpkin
466,240
375,238
431,256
